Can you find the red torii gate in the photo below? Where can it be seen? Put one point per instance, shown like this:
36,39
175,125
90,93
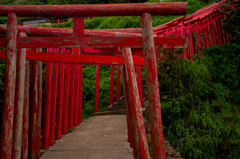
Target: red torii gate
16,73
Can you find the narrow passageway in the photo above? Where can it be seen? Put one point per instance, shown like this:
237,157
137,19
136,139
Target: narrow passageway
100,137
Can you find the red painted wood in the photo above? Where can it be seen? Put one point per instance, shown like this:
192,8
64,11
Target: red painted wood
24,152
139,82
87,59
128,9
152,88
111,84
128,109
76,100
118,84
47,104
9,88
19,102
43,31
71,103
60,101
33,110
53,101
80,94
96,42
66,99
97,88
39,109
140,138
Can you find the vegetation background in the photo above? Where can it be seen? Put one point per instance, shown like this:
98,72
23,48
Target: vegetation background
200,99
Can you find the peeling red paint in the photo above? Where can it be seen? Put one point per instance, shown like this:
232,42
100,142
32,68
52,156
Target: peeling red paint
152,88
6,131
129,9
140,138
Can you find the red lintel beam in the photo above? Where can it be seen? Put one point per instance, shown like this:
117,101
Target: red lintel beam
72,58
46,31
127,9
95,42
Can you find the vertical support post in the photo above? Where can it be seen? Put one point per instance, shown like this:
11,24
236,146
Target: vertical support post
33,110
71,103
47,105
111,84
139,82
118,84
53,101
97,88
152,88
80,94
19,101
128,110
78,30
39,109
140,138
60,100
75,122
24,154
65,100
9,88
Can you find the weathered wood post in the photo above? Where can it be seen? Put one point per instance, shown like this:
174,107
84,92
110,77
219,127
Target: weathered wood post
97,88
140,138
60,100
66,99
111,84
19,101
47,104
152,88
128,110
39,109
24,154
53,100
9,88
118,84
33,110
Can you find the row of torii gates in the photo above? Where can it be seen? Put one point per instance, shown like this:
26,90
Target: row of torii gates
27,126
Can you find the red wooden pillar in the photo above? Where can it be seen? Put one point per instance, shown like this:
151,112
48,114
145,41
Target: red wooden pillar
65,99
80,94
213,31
128,110
9,88
97,88
118,84
60,101
152,88
71,103
39,109
206,36
24,153
19,101
78,30
76,105
139,82
53,101
140,138
47,105
210,32
33,110
111,84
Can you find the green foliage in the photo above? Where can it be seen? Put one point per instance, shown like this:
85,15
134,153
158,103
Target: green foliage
200,117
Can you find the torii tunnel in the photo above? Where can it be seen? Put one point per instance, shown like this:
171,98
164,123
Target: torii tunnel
22,137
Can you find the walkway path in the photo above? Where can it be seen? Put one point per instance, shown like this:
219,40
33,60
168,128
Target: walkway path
100,137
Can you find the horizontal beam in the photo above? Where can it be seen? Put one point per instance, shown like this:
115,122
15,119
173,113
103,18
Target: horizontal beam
46,31
76,58
93,42
127,9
